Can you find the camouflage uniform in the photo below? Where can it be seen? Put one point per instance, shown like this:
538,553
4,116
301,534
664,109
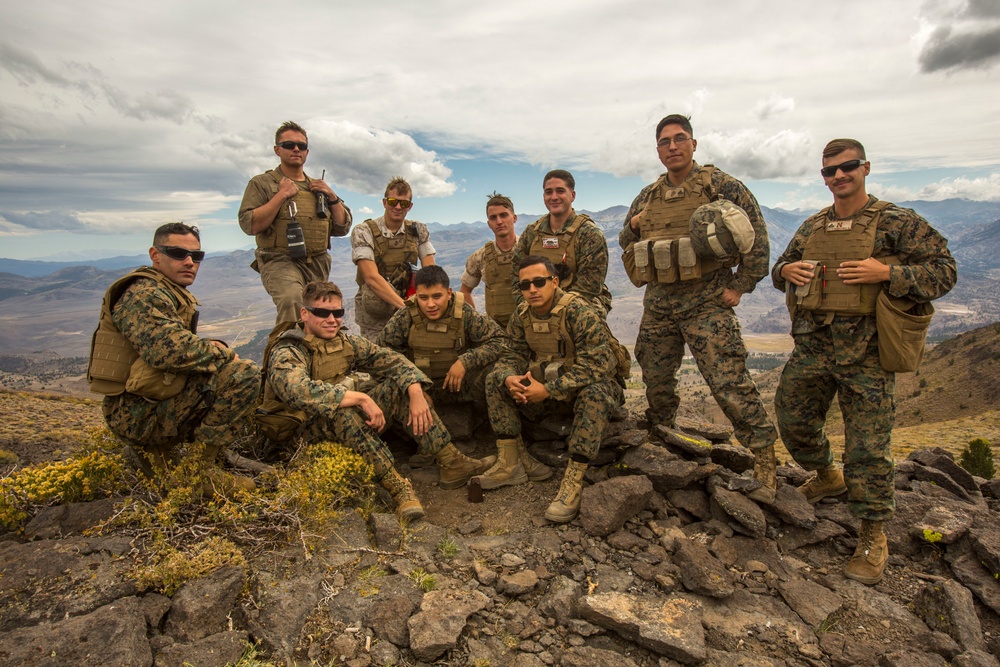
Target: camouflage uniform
587,390
218,395
288,375
363,247
591,258
841,358
283,277
476,271
484,342
692,312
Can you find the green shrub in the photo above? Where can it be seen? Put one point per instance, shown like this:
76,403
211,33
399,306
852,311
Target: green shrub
977,458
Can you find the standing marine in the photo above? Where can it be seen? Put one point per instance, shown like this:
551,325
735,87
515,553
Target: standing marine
493,263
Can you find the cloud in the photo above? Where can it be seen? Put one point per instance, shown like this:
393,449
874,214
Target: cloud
775,105
751,154
42,221
977,189
959,35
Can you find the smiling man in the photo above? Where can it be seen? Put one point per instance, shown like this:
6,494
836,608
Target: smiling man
558,359
492,264
292,218
311,384
569,238
386,251
446,339
690,297
832,273
163,384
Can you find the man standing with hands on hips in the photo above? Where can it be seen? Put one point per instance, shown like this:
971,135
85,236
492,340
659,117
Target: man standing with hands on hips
292,217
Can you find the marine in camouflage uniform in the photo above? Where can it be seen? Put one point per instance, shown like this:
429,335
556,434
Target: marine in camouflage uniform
482,342
586,388
264,214
493,263
699,312
583,251
219,390
837,354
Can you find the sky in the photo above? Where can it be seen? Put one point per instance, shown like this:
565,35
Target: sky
116,117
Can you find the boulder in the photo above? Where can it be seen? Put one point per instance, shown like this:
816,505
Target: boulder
441,620
947,606
607,505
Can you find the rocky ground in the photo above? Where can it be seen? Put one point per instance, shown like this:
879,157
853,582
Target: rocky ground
669,563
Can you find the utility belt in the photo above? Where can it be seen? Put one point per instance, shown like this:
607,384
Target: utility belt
668,261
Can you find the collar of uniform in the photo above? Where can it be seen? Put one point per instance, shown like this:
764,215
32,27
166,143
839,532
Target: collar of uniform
555,300
281,174
380,221
545,223
832,215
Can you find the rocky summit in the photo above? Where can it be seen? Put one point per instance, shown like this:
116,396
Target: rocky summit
668,563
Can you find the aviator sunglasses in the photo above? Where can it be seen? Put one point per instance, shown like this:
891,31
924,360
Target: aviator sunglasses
323,313
403,203
846,167
180,254
289,145
538,282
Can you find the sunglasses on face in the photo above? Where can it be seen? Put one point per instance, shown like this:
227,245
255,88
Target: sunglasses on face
538,282
846,167
323,313
180,254
392,202
289,145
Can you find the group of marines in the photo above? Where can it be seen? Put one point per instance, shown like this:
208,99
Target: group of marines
695,238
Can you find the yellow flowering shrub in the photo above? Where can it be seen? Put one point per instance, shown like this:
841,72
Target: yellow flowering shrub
170,567
331,476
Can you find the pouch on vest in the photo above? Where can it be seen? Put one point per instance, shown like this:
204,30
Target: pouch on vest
663,259
144,380
374,306
645,266
902,331
280,425
631,270
688,264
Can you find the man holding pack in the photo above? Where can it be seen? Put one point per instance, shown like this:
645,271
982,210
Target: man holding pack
567,237
559,359
386,251
163,385
311,392
492,264
841,266
445,338
682,236
292,217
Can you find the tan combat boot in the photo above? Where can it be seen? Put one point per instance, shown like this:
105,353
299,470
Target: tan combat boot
868,561
408,507
567,503
827,483
764,471
508,470
218,482
457,468
535,469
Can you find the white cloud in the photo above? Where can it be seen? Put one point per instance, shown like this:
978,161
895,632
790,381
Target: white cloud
774,105
752,154
977,189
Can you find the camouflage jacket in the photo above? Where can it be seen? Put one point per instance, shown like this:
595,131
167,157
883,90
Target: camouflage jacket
591,259
666,298
594,357
146,315
927,271
289,378
484,337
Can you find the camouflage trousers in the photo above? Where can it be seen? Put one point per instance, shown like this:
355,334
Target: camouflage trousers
712,333
473,390
211,408
370,324
284,279
865,392
348,427
591,408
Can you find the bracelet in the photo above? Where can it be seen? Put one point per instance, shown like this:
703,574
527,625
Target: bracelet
334,202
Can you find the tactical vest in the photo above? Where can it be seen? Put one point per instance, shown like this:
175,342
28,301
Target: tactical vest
316,230
558,246
115,366
830,243
498,273
552,347
435,345
664,252
394,254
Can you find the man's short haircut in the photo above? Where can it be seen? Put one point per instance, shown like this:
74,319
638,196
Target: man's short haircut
531,260
675,119
163,231
838,146
399,184
289,125
561,174
432,275
320,290
497,199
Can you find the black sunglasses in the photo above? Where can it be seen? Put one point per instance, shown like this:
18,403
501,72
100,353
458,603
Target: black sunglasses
323,313
846,167
289,145
538,282
180,254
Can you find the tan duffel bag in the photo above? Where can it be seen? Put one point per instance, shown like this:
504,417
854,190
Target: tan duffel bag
902,331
